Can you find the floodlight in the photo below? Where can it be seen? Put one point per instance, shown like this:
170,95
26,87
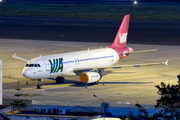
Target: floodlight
135,2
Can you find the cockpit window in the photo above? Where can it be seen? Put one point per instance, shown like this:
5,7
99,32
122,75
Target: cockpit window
33,65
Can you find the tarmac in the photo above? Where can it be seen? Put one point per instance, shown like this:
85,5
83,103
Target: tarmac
125,85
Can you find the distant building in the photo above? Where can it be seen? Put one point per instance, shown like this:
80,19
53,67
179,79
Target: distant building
3,110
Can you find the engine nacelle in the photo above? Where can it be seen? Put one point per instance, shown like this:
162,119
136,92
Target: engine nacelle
90,77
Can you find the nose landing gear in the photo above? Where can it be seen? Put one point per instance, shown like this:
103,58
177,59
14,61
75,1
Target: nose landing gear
39,85
58,80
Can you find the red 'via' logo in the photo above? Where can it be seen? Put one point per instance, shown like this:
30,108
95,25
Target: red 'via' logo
122,37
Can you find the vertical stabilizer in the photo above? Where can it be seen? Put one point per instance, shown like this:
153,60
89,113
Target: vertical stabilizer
121,36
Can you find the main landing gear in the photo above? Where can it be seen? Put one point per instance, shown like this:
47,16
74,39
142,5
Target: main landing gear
95,83
39,85
60,80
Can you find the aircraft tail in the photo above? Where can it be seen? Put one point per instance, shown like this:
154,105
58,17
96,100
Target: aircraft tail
121,36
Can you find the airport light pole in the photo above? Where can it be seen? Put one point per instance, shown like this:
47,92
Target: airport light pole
103,106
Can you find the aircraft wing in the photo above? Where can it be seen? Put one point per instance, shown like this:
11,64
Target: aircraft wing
79,70
142,64
20,58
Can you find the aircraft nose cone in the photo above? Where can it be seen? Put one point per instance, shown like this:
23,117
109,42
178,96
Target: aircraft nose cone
29,73
26,73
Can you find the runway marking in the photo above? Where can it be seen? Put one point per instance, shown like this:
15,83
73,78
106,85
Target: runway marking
104,79
50,86
59,85
13,68
30,95
140,74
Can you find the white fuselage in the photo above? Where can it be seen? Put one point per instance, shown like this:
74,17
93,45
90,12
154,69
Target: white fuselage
65,64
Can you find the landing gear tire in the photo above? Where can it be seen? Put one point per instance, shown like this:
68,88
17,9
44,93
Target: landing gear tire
39,86
95,83
60,80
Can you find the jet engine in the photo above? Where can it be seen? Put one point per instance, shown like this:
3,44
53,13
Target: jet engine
90,77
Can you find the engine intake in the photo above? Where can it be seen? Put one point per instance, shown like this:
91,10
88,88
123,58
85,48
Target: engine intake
90,77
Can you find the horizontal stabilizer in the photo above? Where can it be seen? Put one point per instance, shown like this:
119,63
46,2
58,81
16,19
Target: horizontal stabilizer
20,58
142,51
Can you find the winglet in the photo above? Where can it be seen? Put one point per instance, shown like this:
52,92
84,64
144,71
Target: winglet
14,55
166,63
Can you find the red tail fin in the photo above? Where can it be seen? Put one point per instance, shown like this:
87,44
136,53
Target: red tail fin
121,36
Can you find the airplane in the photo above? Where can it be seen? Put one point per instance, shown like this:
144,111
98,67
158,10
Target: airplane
88,64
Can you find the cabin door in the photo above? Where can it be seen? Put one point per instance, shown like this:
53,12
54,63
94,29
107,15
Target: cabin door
47,65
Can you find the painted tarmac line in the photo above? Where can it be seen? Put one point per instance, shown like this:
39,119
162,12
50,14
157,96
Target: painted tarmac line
114,78
102,80
13,68
50,86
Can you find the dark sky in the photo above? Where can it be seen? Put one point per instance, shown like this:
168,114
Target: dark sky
159,1
148,1
69,0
